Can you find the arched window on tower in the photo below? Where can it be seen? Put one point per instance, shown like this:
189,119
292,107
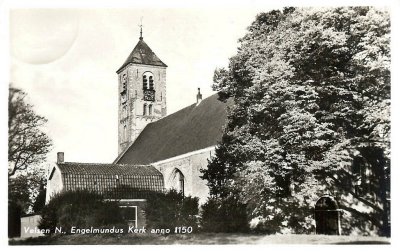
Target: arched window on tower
124,134
148,81
144,109
150,109
148,87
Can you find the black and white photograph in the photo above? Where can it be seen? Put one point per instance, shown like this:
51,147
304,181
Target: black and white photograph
172,123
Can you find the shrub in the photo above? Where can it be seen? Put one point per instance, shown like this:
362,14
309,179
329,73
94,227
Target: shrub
170,210
81,209
14,219
224,215
127,192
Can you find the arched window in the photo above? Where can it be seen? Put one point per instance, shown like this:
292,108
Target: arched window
150,109
362,172
181,184
178,181
148,81
124,134
144,109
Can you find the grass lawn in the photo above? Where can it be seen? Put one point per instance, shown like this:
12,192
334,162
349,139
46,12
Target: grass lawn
201,238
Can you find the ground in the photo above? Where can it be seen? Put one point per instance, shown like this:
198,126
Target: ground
202,238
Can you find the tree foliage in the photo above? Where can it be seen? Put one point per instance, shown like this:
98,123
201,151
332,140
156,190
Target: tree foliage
171,209
227,215
23,189
311,90
27,143
80,209
40,199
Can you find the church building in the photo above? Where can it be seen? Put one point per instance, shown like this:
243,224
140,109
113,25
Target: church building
177,145
156,151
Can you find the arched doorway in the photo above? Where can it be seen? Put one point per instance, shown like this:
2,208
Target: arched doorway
327,216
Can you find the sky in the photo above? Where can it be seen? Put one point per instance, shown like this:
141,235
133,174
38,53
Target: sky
66,61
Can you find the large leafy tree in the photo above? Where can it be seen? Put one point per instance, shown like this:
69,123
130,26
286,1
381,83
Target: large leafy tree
311,90
27,143
27,149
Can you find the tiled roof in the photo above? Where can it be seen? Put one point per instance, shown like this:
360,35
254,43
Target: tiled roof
112,180
190,129
108,169
142,54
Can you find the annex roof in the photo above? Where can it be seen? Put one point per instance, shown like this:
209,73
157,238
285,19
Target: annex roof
111,180
142,54
193,128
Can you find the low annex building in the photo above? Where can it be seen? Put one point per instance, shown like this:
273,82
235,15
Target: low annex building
113,181
129,184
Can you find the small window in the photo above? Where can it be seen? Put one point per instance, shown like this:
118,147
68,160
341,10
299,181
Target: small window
123,90
124,81
150,109
144,109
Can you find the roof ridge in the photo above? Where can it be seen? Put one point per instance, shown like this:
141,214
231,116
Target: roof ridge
107,169
126,149
103,164
165,117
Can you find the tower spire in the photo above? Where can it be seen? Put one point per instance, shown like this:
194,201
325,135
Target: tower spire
141,30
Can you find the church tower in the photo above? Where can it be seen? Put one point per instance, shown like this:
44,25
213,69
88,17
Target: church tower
141,91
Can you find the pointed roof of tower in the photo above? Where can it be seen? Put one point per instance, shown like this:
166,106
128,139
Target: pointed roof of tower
142,54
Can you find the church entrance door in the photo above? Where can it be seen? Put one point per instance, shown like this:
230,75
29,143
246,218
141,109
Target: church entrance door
327,216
